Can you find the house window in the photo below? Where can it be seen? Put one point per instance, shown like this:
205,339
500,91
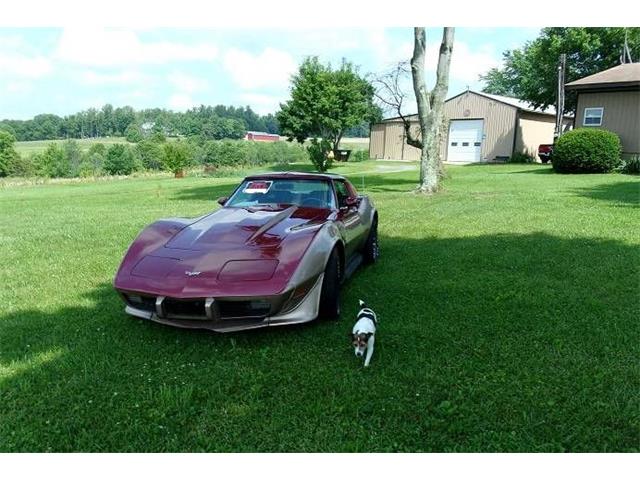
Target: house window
593,116
465,144
454,144
476,144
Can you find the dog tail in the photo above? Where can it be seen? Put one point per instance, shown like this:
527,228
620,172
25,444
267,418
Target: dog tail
362,304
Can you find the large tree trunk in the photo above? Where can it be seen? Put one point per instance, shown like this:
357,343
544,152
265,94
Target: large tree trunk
430,106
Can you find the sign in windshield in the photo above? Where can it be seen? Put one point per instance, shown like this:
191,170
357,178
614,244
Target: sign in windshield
283,192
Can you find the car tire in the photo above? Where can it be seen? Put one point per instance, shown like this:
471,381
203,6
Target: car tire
330,293
371,250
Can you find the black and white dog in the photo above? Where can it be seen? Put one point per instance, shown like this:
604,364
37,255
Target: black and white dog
364,332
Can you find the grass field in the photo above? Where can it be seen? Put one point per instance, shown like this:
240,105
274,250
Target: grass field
508,307
28,148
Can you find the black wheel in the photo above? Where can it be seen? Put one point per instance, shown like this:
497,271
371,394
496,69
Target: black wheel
371,250
330,294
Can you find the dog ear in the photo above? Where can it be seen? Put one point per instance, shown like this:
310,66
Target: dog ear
368,336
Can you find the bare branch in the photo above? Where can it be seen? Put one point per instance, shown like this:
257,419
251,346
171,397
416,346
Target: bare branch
390,93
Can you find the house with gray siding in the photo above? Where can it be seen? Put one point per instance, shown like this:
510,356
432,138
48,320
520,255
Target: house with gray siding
611,100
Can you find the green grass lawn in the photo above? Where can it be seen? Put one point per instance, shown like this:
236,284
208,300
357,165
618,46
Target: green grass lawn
508,307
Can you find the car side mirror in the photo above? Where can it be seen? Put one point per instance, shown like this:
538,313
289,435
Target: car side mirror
223,200
352,201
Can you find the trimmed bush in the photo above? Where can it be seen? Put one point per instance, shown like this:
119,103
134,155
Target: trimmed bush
587,150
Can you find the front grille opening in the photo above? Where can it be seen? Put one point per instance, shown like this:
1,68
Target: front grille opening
184,308
142,302
244,309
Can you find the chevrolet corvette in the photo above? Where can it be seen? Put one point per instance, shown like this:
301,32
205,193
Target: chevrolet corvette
276,253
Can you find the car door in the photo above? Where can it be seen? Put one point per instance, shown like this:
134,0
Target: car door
348,218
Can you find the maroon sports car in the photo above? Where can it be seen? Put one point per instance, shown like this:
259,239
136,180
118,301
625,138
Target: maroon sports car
276,253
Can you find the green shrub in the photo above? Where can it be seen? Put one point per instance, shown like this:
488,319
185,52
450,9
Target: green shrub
319,154
133,133
22,166
520,157
239,153
53,162
587,150
631,165
151,154
359,156
119,160
92,165
98,148
177,156
73,157
8,154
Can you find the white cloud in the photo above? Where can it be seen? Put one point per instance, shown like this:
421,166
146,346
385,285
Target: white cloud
187,83
467,64
91,77
271,68
18,65
262,103
181,102
387,51
107,47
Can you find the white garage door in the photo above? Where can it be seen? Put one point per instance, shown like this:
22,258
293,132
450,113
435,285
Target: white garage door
465,141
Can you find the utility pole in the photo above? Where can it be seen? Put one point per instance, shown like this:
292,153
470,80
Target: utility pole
562,63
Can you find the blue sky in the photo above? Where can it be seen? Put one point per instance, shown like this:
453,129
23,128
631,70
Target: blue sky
62,71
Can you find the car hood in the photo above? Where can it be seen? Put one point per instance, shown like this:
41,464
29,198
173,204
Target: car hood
233,251
228,228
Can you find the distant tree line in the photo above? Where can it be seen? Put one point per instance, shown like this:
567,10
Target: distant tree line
69,159
209,122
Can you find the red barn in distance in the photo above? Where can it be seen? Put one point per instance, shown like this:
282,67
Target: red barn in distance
262,137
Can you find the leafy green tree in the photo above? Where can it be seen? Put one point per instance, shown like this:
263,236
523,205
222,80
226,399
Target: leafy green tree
132,133
98,148
177,157
529,73
119,160
53,162
8,154
73,157
324,104
151,154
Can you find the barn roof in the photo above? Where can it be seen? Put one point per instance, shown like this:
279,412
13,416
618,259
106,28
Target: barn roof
627,74
514,102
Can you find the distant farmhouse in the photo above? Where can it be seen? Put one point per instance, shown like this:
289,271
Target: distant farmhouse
479,127
262,137
611,100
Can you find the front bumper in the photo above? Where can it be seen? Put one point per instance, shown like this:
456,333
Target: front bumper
220,315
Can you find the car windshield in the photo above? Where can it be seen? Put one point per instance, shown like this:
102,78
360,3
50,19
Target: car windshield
277,192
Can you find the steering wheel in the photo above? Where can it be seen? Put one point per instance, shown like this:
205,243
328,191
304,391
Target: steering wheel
312,202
